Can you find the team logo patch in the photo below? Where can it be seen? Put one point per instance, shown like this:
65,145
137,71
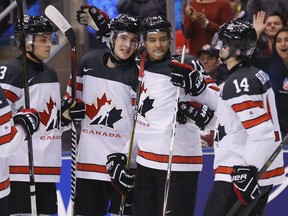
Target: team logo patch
145,104
50,116
103,112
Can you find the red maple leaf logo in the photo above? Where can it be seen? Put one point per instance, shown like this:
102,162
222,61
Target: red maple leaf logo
143,89
45,114
91,110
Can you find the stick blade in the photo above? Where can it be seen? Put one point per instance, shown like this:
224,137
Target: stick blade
57,18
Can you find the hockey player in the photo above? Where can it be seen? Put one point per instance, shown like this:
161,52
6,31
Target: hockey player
13,131
44,90
107,82
153,135
246,139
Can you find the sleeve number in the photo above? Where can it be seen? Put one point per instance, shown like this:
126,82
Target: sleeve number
243,86
3,70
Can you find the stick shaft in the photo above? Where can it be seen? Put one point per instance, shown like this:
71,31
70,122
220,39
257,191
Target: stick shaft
172,141
140,76
27,105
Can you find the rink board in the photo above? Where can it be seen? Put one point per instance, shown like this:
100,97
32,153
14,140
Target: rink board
276,207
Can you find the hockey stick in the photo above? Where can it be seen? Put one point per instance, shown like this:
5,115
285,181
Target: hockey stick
140,77
172,141
57,18
27,106
277,151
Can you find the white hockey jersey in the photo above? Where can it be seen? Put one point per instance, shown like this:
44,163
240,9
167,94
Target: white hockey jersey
108,94
247,125
155,120
44,90
10,139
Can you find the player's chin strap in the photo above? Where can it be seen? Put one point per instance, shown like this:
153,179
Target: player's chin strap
118,61
31,53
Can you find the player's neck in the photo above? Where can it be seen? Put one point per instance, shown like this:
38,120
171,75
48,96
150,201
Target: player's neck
231,62
110,64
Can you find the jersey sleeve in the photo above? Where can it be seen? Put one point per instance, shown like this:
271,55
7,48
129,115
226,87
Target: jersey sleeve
11,136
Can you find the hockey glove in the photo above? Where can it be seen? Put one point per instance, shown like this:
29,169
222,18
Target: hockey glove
199,113
99,22
245,184
120,179
181,118
187,77
29,119
72,111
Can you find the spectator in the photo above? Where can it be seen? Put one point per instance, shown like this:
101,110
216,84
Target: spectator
254,6
209,58
239,13
276,67
266,28
202,18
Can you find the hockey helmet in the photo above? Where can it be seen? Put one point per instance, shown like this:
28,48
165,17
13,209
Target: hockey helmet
125,22
240,36
34,25
155,23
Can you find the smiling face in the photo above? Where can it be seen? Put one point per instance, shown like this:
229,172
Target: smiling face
157,45
272,25
125,45
281,45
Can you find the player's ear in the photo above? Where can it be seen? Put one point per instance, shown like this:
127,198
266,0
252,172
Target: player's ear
28,47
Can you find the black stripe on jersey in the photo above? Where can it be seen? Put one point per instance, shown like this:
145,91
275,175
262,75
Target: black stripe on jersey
94,64
245,81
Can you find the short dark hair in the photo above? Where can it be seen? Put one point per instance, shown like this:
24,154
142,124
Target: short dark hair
279,14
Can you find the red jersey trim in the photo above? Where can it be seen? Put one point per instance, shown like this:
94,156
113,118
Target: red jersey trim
257,121
91,168
5,118
37,170
176,159
8,137
11,95
247,105
4,185
268,174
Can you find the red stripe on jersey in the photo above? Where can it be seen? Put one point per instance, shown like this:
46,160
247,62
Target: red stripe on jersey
223,170
91,168
268,174
254,122
133,101
214,88
277,136
8,137
247,105
5,118
273,173
175,159
10,95
37,170
4,185
209,80
79,87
